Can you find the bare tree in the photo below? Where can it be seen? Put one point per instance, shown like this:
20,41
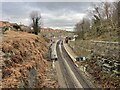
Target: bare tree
98,11
82,27
107,6
102,18
118,13
36,21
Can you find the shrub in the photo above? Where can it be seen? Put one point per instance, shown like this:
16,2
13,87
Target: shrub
4,29
16,27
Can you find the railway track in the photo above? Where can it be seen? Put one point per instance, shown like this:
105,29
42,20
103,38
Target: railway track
72,76
66,75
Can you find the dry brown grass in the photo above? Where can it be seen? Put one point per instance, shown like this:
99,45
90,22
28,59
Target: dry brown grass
25,51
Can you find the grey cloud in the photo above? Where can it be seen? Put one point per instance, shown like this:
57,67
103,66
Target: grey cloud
16,9
59,6
56,0
54,14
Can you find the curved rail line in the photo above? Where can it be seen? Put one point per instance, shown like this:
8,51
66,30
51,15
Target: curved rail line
66,75
71,81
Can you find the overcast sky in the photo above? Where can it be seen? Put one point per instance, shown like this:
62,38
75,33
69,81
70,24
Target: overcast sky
62,15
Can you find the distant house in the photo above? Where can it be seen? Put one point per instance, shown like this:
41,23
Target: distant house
5,24
50,30
26,29
1,25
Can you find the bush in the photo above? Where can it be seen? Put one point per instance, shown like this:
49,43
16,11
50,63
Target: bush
4,29
16,27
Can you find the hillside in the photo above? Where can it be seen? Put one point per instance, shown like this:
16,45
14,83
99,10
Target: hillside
23,60
101,60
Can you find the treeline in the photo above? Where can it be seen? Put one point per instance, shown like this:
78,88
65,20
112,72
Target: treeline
103,18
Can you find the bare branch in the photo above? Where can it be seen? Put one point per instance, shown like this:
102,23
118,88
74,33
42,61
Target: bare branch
36,18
